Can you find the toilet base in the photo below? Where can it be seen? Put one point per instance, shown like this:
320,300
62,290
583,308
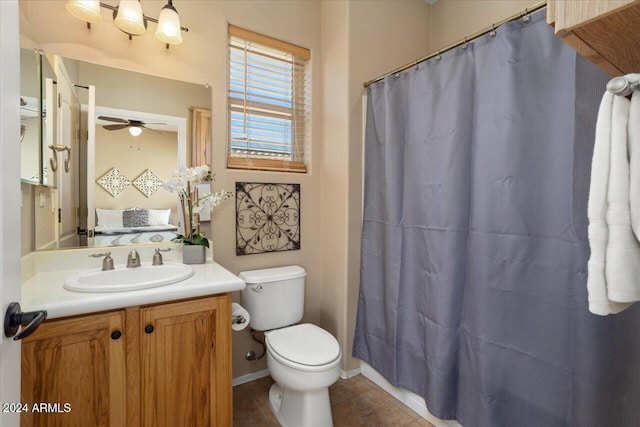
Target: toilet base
301,409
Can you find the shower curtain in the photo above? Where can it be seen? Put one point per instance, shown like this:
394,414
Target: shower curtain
474,244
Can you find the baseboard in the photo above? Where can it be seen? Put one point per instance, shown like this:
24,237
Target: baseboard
412,400
250,377
345,375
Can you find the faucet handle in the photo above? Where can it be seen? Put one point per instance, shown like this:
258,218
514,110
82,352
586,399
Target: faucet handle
99,254
157,258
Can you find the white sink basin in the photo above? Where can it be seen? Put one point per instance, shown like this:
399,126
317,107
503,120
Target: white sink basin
128,279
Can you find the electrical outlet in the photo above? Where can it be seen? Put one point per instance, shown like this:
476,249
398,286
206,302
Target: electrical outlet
42,200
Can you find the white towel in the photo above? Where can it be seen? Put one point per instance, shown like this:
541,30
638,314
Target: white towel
634,159
614,266
597,208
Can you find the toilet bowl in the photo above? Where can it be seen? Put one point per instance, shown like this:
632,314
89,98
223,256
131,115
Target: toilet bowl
303,360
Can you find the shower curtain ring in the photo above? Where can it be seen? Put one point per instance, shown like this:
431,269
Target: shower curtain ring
493,30
527,17
465,45
438,57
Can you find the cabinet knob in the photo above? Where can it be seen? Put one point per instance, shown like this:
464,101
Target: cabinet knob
148,329
116,335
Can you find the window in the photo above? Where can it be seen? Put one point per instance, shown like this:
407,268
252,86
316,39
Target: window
269,103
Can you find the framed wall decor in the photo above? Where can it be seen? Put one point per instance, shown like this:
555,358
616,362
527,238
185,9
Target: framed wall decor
267,217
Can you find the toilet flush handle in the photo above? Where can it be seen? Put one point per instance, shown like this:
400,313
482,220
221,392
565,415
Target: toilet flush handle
257,288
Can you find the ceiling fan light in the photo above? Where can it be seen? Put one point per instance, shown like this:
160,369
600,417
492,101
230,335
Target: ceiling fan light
86,10
130,18
135,130
168,30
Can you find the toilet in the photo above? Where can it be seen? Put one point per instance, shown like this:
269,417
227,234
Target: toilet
304,359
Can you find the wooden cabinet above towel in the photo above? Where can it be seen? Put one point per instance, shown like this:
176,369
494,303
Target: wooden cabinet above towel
605,32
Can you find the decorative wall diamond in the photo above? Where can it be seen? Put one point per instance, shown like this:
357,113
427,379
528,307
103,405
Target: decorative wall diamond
148,183
114,182
267,217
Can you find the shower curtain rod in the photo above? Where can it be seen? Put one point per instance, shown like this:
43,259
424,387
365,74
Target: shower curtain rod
467,39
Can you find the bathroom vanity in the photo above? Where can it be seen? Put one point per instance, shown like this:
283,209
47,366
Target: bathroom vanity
152,357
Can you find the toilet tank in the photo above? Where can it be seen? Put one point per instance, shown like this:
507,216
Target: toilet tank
274,297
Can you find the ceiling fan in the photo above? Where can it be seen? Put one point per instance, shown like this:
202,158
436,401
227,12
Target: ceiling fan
135,126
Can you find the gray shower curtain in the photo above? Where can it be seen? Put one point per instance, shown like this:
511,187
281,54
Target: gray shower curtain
474,244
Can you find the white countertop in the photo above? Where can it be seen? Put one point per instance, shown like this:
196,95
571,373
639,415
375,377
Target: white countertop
45,291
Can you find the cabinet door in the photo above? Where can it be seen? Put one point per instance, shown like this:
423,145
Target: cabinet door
186,363
603,31
74,371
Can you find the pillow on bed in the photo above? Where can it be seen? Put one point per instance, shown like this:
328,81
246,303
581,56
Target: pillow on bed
159,216
109,218
135,218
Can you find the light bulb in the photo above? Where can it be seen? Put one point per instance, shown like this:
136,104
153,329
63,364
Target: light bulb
135,130
86,10
130,18
168,30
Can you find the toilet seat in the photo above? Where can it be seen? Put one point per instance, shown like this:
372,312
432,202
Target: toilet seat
305,347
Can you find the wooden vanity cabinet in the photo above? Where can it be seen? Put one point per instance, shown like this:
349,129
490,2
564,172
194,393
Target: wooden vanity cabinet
603,31
169,366
186,366
75,362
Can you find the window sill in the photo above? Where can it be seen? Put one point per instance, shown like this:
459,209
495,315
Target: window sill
272,165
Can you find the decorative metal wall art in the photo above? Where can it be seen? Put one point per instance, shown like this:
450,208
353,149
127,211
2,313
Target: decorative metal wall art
267,217
114,182
148,183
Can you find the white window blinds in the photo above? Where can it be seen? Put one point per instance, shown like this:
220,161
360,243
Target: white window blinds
269,103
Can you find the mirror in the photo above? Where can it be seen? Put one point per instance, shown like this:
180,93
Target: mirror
106,187
29,117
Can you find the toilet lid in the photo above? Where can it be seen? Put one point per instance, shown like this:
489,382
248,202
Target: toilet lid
305,344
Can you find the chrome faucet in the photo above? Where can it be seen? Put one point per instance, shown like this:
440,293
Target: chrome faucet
157,258
107,262
133,260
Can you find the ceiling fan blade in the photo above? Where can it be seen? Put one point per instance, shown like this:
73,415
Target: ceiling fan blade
113,119
155,130
115,127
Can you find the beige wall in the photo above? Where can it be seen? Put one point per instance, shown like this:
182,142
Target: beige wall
351,42
128,90
452,20
361,40
132,156
202,59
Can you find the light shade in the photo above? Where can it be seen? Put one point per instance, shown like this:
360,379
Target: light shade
168,30
129,18
135,130
87,10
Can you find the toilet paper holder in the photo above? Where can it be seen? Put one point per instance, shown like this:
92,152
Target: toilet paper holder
238,320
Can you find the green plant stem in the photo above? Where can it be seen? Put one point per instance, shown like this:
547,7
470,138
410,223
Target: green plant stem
190,208
184,212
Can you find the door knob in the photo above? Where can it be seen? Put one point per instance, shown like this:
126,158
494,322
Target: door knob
14,318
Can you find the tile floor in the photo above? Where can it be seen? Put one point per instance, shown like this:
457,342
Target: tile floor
354,402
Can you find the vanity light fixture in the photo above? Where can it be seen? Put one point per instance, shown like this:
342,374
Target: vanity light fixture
86,10
168,30
130,19
135,130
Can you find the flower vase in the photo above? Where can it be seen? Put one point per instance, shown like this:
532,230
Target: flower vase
193,254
